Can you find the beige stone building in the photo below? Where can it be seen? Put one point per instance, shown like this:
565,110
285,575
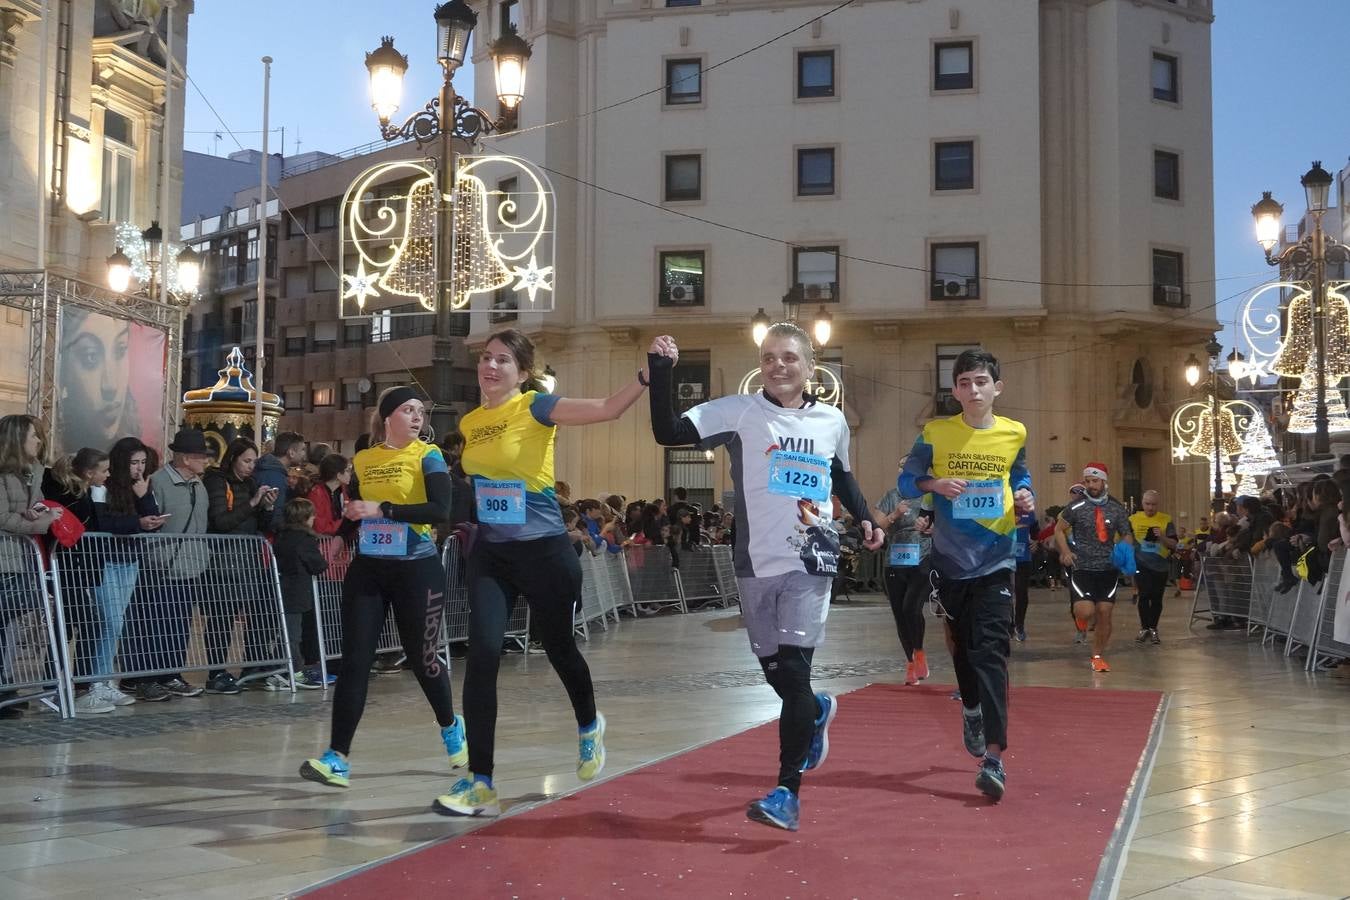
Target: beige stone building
103,113
1032,176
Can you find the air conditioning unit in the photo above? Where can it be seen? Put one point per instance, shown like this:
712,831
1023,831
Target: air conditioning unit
818,292
1171,295
953,288
683,294
688,390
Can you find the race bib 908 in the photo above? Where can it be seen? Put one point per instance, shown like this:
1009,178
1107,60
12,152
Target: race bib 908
500,502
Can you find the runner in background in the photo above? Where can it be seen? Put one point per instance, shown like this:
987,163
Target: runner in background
974,464
1156,538
907,573
789,454
1086,536
1026,525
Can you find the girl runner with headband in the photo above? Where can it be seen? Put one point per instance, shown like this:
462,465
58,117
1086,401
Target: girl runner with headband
404,488
521,548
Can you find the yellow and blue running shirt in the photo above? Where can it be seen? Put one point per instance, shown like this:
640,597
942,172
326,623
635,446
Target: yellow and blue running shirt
970,547
514,442
399,477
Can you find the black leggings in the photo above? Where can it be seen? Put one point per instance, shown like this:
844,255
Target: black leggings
1021,593
907,587
547,572
789,674
415,588
1151,585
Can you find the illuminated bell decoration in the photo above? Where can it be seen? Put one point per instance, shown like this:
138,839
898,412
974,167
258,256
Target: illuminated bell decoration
478,268
1298,351
1230,444
412,273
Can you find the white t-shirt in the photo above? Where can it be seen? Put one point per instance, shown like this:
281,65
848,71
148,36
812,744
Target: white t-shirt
783,527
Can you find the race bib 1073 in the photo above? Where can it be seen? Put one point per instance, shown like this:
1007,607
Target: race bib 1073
981,500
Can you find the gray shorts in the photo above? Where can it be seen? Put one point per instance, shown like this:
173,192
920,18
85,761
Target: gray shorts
784,609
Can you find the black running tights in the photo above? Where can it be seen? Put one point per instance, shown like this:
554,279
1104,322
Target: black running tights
789,674
547,572
907,588
415,589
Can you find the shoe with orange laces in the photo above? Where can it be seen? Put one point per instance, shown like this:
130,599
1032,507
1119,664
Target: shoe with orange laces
921,664
1099,665
911,673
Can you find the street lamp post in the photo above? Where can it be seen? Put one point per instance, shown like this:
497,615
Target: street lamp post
446,117
1311,255
822,326
1213,349
188,262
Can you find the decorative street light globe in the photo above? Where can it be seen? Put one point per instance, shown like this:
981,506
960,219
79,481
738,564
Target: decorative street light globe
510,53
189,270
455,22
119,271
759,326
1317,185
823,326
386,67
1192,370
154,238
1267,212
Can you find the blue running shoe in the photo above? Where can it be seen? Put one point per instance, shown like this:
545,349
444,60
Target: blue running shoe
330,769
455,744
780,808
990,778
972,731
820,740
591,750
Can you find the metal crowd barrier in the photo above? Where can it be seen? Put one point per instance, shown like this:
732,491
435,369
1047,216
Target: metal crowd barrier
698,576
1225,587
593,607
1304,617
29,654
148,605
655,580
724,564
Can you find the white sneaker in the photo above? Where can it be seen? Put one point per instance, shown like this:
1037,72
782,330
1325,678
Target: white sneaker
108,691
93,702
276,683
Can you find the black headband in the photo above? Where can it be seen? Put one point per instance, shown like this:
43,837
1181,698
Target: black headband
394,399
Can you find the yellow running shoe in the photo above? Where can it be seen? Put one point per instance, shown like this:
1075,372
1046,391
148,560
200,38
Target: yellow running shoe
330,769
468,797
591,753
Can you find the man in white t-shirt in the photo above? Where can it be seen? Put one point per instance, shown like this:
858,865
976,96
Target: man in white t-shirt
789,456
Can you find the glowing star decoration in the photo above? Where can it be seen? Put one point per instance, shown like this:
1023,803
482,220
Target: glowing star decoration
359,286
532,278
1180,453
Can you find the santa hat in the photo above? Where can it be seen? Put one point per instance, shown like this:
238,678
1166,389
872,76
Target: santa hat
1095,470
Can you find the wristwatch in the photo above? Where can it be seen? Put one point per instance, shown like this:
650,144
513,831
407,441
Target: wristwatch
387,509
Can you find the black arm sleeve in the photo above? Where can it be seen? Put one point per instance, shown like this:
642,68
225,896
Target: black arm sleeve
668,429
847,490
435,510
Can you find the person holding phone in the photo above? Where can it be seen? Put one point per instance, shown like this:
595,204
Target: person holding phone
236,504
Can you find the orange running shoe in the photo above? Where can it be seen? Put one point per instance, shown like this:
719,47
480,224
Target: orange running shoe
921,664
1099,665
911,674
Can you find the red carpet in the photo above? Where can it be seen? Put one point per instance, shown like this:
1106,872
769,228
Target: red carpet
892,813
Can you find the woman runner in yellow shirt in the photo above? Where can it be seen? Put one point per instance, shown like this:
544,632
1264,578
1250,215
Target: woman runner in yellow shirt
521,548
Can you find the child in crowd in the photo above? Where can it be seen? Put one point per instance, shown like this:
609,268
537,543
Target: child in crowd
298,561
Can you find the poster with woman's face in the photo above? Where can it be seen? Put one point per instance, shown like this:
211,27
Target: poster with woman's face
109,381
